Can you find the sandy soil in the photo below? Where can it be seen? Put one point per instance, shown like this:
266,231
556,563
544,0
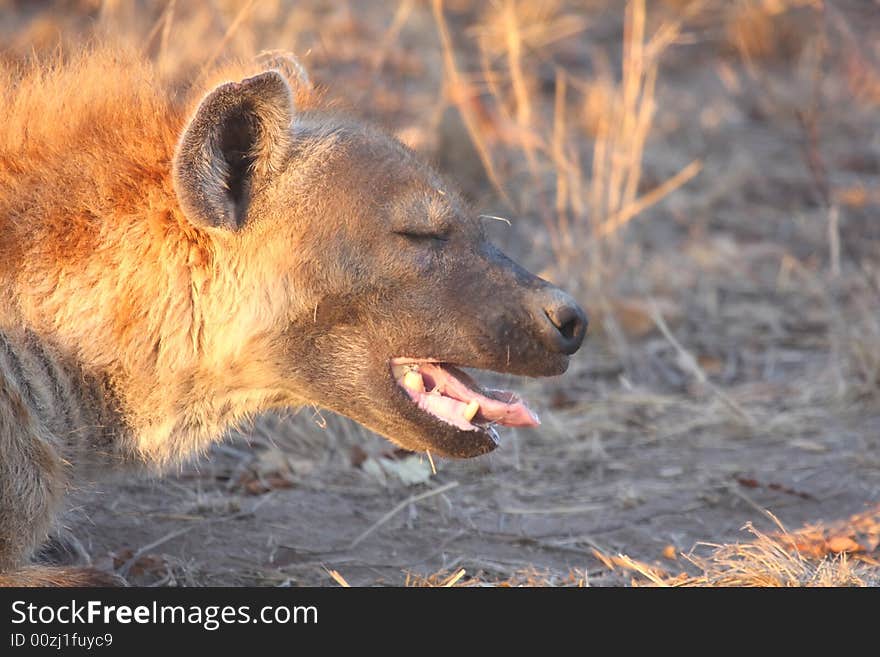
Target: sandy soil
540,505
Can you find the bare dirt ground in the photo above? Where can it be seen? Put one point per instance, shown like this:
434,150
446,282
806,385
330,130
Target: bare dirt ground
733,365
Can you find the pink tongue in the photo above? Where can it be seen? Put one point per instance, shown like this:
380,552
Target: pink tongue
447,397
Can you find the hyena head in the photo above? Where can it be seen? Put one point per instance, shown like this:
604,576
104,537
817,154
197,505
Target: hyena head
365,282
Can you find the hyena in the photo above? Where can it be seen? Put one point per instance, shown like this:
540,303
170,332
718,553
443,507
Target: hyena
176,259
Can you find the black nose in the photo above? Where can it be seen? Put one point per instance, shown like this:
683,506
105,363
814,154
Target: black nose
565,324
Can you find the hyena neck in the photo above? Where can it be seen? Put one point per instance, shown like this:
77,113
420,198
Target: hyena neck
201,411
218,382
169,373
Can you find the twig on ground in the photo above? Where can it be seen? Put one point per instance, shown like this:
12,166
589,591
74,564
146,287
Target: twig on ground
688,362
398,508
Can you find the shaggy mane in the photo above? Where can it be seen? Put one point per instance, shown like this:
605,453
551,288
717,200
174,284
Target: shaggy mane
95,129
96,255
94,134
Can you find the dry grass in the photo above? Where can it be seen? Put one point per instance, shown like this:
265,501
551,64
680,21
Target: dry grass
508,124
763,562
841,554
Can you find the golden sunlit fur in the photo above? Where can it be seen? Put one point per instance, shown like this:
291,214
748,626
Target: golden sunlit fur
85,152
106,327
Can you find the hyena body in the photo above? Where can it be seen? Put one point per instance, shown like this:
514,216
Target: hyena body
173,261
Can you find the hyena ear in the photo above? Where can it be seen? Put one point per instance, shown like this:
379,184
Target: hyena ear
239,134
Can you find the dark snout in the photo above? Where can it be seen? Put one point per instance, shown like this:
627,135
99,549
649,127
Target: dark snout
538,326
561,322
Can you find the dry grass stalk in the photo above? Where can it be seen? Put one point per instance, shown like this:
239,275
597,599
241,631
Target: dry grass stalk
452,580
616,221
339,579
461,93
653,574
621,138
518,82
563,194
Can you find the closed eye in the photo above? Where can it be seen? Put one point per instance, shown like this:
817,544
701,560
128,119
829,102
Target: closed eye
419,236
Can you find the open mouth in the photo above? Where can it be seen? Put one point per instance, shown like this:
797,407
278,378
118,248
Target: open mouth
450,395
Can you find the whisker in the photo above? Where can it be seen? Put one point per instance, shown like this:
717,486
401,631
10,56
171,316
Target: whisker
496,218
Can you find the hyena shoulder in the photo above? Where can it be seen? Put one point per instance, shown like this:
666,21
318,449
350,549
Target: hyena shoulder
97,256
106,353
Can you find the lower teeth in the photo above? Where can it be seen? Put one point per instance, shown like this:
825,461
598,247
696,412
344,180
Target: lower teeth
471,409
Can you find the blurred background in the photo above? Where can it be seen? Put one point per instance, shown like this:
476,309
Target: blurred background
701,175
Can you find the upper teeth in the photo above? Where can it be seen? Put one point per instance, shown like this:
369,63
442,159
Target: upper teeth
413,380
399,370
